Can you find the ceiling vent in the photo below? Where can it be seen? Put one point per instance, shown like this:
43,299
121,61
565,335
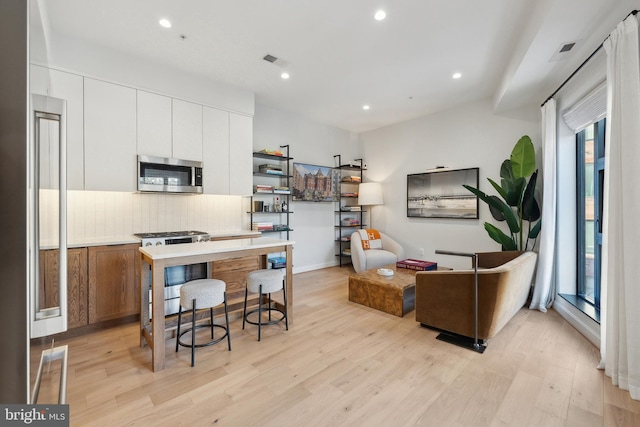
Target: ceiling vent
270,58
562,52
567,47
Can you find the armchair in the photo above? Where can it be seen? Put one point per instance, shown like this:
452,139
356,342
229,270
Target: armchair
363,260
444,299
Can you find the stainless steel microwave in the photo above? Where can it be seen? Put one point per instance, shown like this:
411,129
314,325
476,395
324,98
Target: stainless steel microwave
159,174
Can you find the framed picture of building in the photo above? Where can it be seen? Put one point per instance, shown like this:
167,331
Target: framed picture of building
312,183
440,194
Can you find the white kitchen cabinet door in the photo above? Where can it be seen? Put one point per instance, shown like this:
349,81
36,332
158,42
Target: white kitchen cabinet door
110,136
215,151
154,124
240,154
187,130
67,86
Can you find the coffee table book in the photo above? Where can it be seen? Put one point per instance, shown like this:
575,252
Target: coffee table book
417,264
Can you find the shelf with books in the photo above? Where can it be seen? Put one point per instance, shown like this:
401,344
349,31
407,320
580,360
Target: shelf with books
348,214
271,191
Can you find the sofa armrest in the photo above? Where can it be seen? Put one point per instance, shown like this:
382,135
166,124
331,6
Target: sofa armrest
388,244
495,259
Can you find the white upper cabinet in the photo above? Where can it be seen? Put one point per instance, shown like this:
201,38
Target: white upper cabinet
240,154
67,86
187,130
154,124
109,136
215,151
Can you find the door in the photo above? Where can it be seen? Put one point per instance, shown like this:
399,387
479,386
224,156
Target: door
48,207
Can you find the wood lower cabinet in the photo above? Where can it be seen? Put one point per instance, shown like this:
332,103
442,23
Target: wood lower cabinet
76,283
234,273
114,282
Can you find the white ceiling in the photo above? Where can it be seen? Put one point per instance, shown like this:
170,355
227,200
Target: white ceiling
340,58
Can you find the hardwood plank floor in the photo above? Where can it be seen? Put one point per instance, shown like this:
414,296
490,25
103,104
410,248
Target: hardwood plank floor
341,363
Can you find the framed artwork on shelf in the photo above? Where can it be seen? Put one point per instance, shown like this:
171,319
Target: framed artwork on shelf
440,194
312,183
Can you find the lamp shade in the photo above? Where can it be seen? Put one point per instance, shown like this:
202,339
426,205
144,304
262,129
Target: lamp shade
370,193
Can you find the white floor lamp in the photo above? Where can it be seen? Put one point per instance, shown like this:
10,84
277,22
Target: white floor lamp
370,194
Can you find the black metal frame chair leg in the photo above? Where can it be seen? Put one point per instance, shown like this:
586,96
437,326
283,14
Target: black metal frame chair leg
244,310
226,316
260,311
193,334
286,312
178,331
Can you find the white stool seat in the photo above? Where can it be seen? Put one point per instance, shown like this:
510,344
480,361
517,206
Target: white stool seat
206,292
271,281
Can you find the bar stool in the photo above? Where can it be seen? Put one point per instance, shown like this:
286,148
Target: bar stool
265,282
197,295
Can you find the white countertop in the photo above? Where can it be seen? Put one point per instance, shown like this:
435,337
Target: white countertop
129,238
93,241
194,249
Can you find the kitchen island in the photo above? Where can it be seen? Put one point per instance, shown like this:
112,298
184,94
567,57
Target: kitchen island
154,260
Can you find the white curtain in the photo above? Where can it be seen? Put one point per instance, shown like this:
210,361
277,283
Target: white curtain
620,299
544,289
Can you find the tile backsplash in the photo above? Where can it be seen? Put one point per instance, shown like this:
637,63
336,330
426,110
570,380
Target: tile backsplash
98,214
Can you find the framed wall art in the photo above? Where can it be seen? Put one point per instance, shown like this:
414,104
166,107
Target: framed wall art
440,194
312,183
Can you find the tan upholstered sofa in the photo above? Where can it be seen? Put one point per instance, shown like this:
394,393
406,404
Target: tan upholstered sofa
445,299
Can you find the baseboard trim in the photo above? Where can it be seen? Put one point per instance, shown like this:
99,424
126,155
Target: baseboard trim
313,267
583,323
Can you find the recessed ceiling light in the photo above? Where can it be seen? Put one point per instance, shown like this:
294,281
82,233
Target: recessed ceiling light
365,107
165,23
285,75
456,75
380,15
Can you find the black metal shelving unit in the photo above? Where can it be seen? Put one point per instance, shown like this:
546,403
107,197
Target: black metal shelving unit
281,218
347,197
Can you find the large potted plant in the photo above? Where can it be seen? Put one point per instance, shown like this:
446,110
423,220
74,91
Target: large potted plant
517,205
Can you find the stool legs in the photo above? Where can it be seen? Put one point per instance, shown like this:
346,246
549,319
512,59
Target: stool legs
260,308
193,334
260,311
194,327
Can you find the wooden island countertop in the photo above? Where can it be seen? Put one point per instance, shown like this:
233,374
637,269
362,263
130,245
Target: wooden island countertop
154,259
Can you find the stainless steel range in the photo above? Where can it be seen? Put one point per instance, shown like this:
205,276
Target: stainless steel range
175,277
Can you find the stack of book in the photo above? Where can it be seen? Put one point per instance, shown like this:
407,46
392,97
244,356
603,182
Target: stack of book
417,264
349,194
346,251
260,188
278,262
353,178
271,152
262,226
281,189
350,222
270,169
351,208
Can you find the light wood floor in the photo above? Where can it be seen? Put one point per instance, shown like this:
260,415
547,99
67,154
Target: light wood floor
345,364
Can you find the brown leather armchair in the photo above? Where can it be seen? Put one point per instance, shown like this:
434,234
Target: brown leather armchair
445,299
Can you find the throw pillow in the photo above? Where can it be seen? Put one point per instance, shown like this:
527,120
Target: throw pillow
370,239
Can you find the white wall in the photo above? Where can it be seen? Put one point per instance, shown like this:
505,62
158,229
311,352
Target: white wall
468,136
313,143
76,56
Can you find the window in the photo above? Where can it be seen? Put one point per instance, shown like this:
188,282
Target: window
590,180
